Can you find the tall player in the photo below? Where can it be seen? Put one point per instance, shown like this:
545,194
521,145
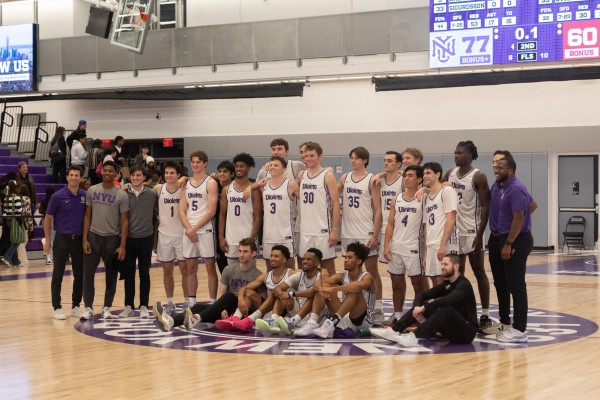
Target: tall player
281,148
390,185
473,192
440,220
319,207
240,218
361,216
197,210
402,245
278,196
170,240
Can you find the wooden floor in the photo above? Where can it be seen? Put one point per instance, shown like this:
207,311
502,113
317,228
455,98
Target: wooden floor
43,358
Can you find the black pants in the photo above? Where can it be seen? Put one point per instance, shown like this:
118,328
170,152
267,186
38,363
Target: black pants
445,320
139,249
63,246
59,171
212,312
509,277
103,247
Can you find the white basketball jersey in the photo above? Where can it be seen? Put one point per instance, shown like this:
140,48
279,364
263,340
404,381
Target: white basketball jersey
367,294
277,215
197,204
388,193
357,213
434,217
168,212
240,216
468,218
270,281
408,227
315,205
299,282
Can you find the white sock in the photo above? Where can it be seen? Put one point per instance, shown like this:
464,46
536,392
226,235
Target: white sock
485,311
378,305
169,300
186,300
274,316
296,319
255,315
313,318
212,301
238,313
398,314
192,300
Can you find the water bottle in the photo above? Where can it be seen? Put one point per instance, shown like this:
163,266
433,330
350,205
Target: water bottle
363,332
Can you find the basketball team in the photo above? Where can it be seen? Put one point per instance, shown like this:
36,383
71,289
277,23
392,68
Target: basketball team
422,222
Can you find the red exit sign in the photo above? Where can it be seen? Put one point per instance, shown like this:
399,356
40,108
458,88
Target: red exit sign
168,142
106,143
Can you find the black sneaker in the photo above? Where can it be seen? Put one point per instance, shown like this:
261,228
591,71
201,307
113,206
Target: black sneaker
485,322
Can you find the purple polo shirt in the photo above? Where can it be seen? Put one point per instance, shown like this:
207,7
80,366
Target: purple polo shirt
505,199
68,211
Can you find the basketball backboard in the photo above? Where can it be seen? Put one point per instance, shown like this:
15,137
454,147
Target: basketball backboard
131,24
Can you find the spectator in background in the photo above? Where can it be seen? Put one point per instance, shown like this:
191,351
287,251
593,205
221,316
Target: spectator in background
121,157
23,178
27,223
81,129
78,152
59,162
5,237
140,159
12,206
93,159
43,208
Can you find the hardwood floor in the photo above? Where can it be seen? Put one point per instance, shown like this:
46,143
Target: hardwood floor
43,358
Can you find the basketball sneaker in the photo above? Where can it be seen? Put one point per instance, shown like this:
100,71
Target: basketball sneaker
244,324
59,314
485,322
385,333
76,312
390,321
158,309
378,317
226,324
87,314
127,312
268,326
106,314
285,324
144,313
407,340
512,336
307,329
170,308
163,320
190,319
325,331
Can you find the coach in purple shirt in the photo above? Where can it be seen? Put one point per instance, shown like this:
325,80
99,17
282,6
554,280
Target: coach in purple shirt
509,246
66,209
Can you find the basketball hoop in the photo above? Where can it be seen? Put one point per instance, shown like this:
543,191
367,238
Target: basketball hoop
136,18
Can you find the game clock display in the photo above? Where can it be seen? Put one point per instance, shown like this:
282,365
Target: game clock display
466,33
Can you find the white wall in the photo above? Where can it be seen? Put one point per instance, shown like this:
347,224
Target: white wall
216,12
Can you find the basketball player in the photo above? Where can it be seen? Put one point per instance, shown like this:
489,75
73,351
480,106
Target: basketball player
473,191
412,156
390,185
403,246
196,212
224,176
281,148
319,207
440,220
277,274
278,197
361,216
358,287
170,240
239,218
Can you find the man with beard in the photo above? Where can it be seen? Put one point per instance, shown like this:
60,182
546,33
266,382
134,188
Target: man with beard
448,308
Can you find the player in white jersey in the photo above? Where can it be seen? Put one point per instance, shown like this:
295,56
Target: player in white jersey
403,245
281,148
279,195
243,319
361,216
390,185
319,207
197,211
472,217
355,310
440,220
240,218
170,241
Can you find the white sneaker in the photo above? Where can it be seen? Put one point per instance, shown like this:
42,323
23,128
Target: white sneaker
127,312
170,309
502,330
49,261
512,336
408,340
87,314
59,314
106,313
144,313
163,320
385,333
76,312
326,330
378,317
190,319
495,328
307,329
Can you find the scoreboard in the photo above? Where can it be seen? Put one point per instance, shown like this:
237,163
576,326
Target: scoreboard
487,32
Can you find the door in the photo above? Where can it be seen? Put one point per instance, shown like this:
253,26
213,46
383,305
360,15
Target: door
578,194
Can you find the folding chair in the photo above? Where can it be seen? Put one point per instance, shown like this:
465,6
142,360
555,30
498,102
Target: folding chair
573,233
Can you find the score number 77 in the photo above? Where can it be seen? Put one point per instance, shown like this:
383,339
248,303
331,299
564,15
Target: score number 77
471,40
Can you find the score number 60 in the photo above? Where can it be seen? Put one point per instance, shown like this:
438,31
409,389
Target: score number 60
577,37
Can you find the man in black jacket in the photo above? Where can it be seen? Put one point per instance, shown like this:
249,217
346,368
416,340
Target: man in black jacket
453,311
76,133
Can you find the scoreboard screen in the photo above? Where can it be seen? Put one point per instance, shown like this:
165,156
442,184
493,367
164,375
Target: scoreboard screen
466,33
